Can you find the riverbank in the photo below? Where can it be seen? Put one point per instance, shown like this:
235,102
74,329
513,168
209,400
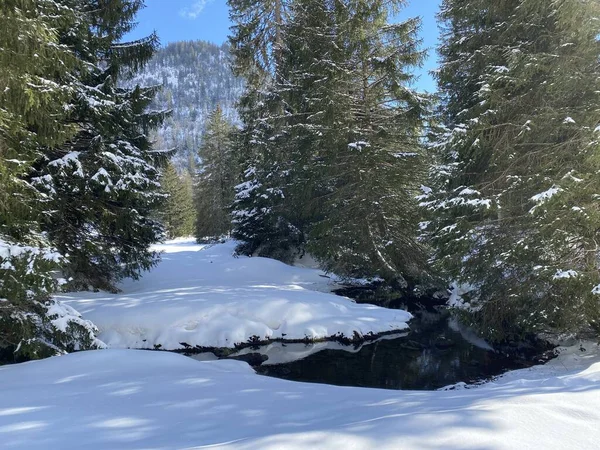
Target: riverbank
203,297
131,399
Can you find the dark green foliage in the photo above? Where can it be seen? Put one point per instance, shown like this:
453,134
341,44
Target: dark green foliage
77,175
37,79
216,177
177,212
332,134
515,211
34,88
258,220
258,212
101,185
358,135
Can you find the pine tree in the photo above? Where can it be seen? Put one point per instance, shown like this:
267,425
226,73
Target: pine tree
102,185
177,212
516,218
36,81
357,128
216,178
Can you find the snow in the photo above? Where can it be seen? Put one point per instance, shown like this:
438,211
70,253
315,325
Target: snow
546,195
405,154
460,200
70,159
282,353
62,317
469,191
456,292
204,296
562,274
501,69
359,145
130,399
12,250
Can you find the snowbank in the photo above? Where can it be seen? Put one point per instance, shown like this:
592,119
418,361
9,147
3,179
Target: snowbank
129,399
282,353
203,296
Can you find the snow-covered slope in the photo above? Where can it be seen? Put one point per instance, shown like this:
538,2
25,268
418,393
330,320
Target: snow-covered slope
204,296
127,399
195,77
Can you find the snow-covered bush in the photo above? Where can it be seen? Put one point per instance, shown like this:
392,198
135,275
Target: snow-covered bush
31,324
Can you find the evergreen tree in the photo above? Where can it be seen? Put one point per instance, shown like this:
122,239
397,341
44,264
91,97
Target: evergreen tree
216,178
177,213
78,177
102,185
257,45
34,78
257,37
337,138
357,128
36,81
515,217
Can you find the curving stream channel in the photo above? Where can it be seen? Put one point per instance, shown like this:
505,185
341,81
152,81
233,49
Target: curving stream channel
435,353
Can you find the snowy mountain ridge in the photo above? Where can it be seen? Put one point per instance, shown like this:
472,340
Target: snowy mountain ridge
196,78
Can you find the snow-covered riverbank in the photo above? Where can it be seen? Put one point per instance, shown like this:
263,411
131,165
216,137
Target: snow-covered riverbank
129,399
204,296
134,399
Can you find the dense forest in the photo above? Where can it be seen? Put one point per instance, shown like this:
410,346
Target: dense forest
304,135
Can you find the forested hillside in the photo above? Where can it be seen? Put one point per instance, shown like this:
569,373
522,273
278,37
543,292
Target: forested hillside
196,78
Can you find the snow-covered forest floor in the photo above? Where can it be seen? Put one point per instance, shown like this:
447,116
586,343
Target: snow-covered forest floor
204,296
131,399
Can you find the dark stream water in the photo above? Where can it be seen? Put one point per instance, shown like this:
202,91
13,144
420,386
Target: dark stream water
435,353
432,355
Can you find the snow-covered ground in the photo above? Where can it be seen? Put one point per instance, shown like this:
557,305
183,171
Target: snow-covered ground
131,399
134,399
203,296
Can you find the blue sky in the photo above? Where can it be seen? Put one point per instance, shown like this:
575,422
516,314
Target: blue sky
176,20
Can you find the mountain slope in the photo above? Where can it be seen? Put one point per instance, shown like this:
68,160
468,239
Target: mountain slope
196,77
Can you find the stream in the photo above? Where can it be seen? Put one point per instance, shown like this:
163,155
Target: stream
436,352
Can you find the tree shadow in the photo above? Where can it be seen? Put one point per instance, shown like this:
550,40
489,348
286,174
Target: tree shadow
133,400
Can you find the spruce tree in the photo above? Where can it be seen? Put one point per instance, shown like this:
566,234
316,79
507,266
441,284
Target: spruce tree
216,178
102,185
516,216
338,139
257,44
356,128
177,212
35,87
37,78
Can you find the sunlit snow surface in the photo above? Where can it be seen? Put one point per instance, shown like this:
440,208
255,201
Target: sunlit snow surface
128,399
204,296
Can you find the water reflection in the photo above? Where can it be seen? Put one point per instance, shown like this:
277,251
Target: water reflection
434,354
